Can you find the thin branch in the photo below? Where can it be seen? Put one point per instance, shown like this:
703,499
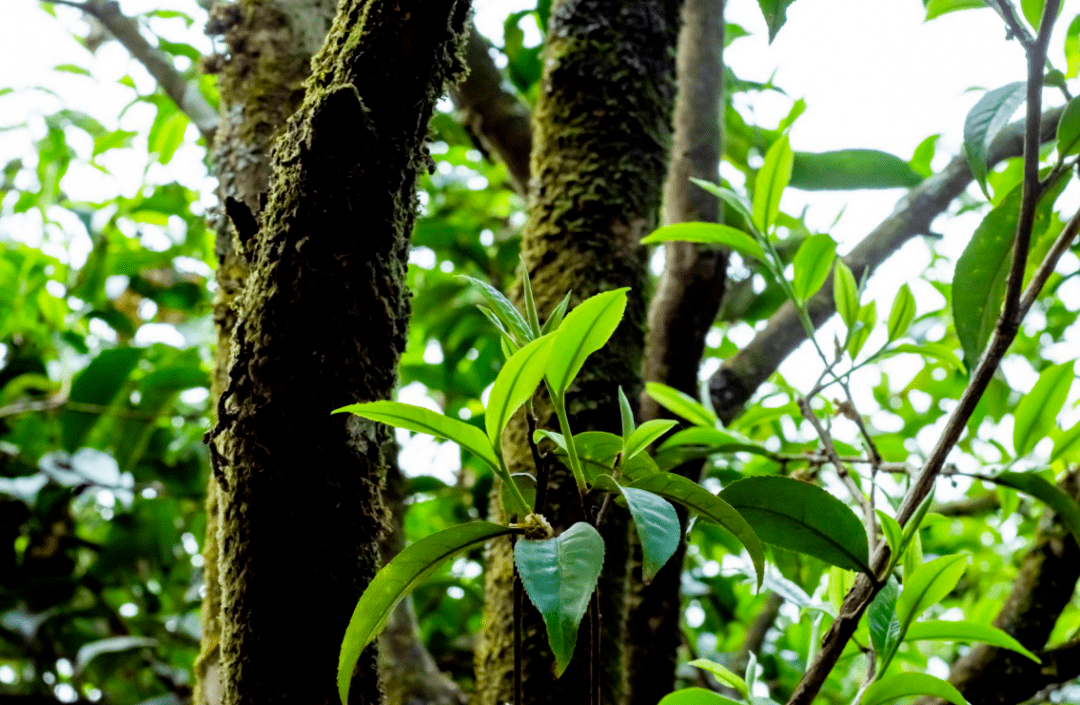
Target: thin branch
495,117
740,376
1012,22
189,100
860,595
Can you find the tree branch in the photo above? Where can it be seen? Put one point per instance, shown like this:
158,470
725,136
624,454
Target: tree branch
493,115
189,100
739,377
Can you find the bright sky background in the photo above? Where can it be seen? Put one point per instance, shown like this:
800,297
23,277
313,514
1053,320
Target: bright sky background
872,73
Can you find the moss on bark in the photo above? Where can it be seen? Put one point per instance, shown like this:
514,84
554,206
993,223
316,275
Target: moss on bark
601,136
320,323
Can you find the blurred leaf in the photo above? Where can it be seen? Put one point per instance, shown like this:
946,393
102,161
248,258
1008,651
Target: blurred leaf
903,684
849,169
1036,414
98,384
983,123
708,234
771,181
812,262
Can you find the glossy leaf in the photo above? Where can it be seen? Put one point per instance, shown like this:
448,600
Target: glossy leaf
966,631
655,521
771,180
515,384
559,576
555,319
927,586
845,294
723,675
681,404
983,123
801,517
881,616
708,234
696,696
397,579
1067,508
902,313
421,420
504,311
645,434
849,169
1036,414
584,330
901,685
812,263
710,507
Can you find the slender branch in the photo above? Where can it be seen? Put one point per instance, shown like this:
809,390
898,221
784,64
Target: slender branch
1012,22
189,100
739,377
860,595
495,117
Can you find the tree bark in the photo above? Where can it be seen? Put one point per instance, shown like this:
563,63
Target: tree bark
320,323
601,135
680,315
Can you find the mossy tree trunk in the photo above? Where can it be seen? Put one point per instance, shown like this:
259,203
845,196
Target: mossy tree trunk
320,322
261,80
601,136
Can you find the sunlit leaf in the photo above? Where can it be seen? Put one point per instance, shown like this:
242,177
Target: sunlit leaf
927,586
983,123
708,234
966,631
681,404
584,331
645,434
901,685
723,675
1036,414
849,169
770,183
516,382
1067,508
812,263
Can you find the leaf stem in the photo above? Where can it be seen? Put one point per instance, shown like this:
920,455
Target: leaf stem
558,401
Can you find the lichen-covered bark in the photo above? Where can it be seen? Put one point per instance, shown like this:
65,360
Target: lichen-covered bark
601,136
270,46
680,315
321,323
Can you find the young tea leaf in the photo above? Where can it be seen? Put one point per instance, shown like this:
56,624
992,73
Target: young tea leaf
985,120
771,181
583,332
894,534
966,631
1036,414
696,696
723,675
681,404
928,586
396,580
801,517
900,685
626,414
812,263
1067,444
556,317
712,508
708,234
515,384
559,576
645,434
505,311
1067,508
881,615
1068,130
845,294
731,199
902,313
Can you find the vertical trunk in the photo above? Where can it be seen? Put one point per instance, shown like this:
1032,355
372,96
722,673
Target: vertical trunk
600,144
320,323
270,48
680,315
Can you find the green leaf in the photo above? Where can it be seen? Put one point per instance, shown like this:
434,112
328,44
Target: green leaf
983,123
801,517
715,441
903,684
507,340
849,169
708,234
1068,129
696,696
845,294
656,522
894,533
515,384
881,615
1072,48
775,12
936,351
506,312
627,415
1067,509
99,383
812,262
421,420
902,313
645,434
559,576
1067,445
966,631
924,155
597,451
937,8
584,330
397,579
530,303
556,317
864,325
526,485
712,508
1036,414
723,675
681,404
928,586
556,438
731,199
1033,11
771,180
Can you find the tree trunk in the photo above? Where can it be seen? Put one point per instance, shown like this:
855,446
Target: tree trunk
320,323
601,137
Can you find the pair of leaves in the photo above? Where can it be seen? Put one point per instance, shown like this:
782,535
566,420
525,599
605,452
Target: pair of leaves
397,579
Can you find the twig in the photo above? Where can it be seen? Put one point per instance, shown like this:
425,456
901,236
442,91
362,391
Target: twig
1015,26
860,595
189,100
